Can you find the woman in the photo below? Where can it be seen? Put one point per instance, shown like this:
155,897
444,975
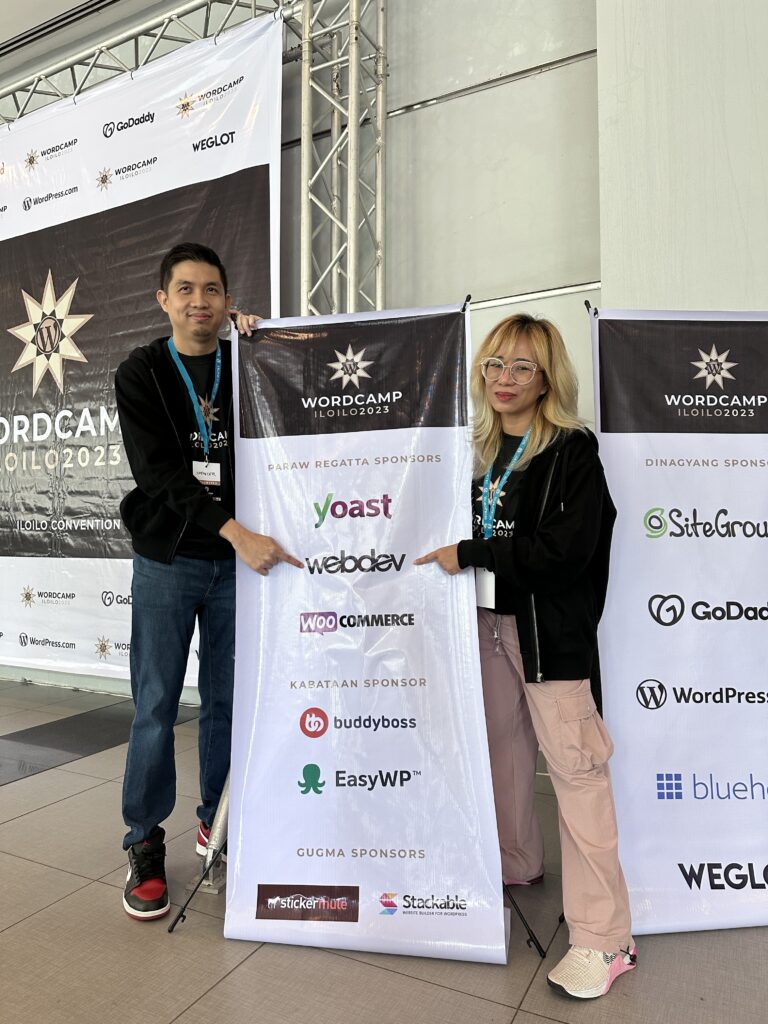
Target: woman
542,528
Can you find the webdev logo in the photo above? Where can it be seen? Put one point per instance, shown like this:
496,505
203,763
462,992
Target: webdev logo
344,563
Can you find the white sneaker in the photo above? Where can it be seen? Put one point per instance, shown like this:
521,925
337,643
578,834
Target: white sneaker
588,973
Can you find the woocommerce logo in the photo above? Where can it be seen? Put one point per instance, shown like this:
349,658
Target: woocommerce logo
675,524
344,563
357,508
329,622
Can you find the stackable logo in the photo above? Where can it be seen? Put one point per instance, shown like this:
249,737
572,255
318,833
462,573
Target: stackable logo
676,524
388,903
308,902
667,610
355,508
48,334
720,875
110,127
344,563
434,906
214,141
313,723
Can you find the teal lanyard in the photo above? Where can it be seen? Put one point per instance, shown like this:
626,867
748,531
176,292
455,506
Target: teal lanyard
489,507
205,432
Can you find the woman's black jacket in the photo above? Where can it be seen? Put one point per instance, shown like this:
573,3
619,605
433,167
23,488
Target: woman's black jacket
555,567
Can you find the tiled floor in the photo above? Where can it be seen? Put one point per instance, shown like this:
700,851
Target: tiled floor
69,955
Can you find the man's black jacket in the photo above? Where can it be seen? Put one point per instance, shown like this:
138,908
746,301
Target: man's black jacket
555,567
152,404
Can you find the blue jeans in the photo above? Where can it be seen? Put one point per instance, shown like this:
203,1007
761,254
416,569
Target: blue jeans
167,599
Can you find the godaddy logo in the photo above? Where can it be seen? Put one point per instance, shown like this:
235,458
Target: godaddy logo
655,522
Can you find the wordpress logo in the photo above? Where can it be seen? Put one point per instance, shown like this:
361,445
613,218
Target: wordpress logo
669,786
655,523
651,694
23,639
666,610
313,722
27,204
388,903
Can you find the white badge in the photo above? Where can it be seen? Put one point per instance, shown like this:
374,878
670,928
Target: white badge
485,588
210,474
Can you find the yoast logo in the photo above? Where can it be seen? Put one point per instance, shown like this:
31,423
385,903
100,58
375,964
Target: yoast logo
720,875
676,523
669,609
356,508
214,141
110,127
313,722
653,694
329,622
344,563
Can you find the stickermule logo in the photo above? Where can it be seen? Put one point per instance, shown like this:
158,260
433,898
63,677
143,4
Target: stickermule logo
676,524
308,902
666,610
344,563
356,508
313,723
720,875
329,622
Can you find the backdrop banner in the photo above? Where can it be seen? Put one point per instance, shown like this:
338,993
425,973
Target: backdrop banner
92,195
683,415
362,807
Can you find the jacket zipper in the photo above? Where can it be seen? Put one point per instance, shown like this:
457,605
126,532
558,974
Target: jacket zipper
183,455
534,621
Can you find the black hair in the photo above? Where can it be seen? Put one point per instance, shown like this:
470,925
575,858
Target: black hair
190,251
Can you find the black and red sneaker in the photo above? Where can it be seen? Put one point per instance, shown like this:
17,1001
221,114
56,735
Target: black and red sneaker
203,835
146,891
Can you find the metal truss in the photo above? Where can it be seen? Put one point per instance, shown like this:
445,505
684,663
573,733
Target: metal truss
342,50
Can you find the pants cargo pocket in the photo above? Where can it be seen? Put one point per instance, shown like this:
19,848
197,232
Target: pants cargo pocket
584,740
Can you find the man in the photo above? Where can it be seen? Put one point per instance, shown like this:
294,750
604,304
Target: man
174,398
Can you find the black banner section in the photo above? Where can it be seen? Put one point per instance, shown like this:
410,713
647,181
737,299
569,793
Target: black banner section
683,376
336,378
75,299
308,902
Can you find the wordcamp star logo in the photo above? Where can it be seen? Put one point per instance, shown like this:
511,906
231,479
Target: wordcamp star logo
350,367
185,105
32,160
651,694
104,179
27,597
714,367
666,609
208,410
103,648
48,333
388,903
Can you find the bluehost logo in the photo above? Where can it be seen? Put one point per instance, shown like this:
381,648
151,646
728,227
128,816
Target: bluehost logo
669,786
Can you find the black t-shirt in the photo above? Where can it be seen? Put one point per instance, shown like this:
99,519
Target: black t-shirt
197,542
506,509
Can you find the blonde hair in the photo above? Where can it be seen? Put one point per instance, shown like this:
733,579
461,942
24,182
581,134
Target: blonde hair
556,412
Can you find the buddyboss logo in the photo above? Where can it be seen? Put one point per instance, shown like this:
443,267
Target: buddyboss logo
676,524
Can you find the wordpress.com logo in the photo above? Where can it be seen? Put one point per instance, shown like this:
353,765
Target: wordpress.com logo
655,522
669,786
667,610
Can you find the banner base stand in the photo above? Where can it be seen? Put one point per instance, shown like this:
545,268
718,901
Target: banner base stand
214,882
532,939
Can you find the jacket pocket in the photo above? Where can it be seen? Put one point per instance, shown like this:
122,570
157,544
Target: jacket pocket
584,740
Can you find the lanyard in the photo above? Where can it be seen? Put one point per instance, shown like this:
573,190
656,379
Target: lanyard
489,507
205,432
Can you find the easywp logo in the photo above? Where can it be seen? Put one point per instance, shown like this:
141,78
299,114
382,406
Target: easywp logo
344,563
358,508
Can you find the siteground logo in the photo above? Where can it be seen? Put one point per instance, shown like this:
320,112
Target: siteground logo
651,694
388,903
667,610
677,523
48,334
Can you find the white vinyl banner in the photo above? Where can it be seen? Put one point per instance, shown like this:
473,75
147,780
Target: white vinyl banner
361,809
92,194
683,416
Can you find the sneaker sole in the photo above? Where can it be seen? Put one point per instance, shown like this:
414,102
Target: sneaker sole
592,993
145,915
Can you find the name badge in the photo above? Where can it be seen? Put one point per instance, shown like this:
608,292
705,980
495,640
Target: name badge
209,475
485,588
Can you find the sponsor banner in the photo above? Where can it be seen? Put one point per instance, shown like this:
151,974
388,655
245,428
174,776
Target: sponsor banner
93,194
683,638
377,828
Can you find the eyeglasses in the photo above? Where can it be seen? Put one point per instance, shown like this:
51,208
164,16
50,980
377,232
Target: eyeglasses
521,371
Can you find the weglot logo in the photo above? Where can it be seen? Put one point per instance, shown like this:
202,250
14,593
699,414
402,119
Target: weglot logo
719,875
357,508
